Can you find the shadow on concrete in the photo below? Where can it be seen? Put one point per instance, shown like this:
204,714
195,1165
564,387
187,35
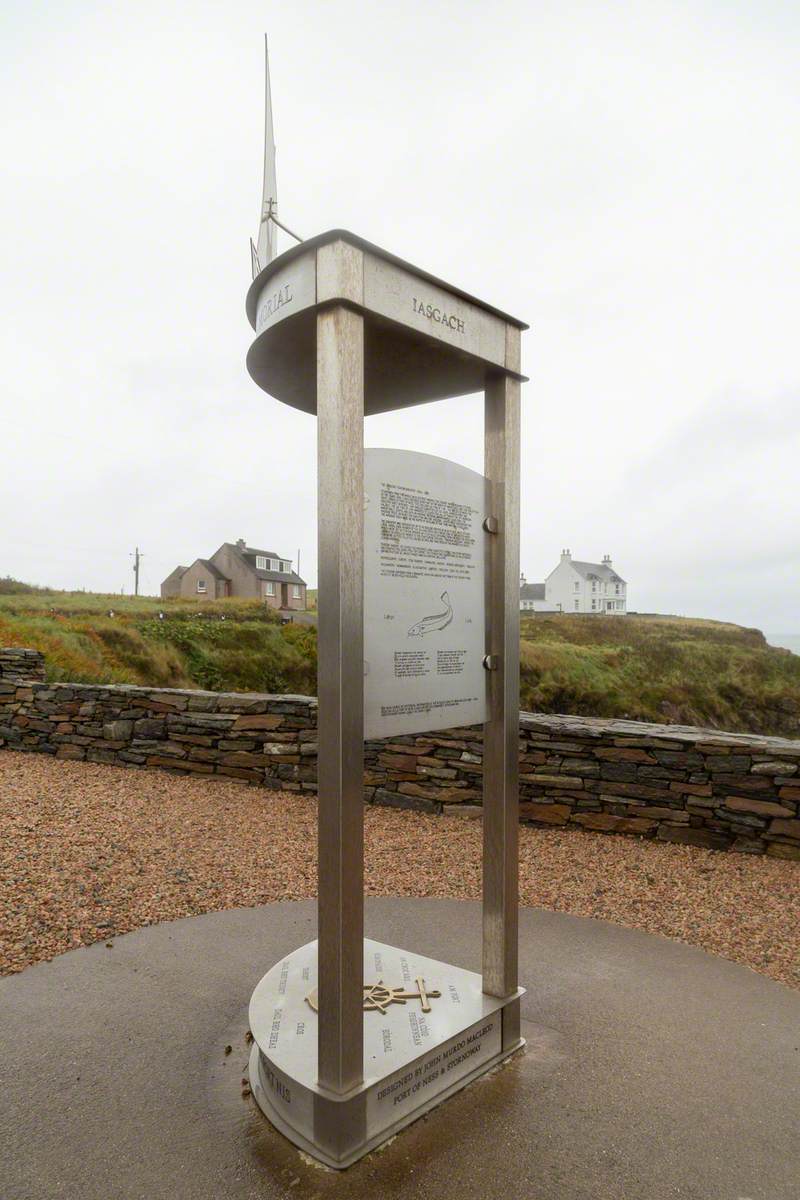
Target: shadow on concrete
652,1070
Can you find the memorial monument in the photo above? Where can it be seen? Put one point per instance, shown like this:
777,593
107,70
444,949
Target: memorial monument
418,631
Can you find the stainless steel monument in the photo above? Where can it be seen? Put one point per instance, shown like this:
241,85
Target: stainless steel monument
418,630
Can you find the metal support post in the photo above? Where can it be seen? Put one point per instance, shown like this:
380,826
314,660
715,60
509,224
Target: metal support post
501,731
340,431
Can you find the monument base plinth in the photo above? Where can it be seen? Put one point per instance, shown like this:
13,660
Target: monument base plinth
429,1030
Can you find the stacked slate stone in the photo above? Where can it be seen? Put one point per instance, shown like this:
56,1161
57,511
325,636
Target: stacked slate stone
700,787
18,665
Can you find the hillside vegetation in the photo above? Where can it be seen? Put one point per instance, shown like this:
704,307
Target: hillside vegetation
222,645
672,670
664,669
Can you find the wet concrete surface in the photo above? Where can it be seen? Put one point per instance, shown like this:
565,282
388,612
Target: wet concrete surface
652,1070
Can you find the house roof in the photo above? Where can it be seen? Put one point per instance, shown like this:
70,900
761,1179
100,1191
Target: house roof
248,556
280,576
531,591
591,570
210,567
266,553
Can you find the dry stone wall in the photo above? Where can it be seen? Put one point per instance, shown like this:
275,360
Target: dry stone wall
18,665
678,784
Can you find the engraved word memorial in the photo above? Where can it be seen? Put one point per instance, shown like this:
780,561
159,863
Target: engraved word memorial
418,630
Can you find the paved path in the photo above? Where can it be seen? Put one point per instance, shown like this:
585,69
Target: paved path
653,1070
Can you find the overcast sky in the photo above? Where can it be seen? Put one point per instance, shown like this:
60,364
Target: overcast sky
624,177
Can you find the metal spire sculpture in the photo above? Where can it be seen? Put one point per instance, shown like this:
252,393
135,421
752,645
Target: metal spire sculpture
265,248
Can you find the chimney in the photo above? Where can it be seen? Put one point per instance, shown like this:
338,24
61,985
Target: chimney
241,545
521,579
566,554
606,560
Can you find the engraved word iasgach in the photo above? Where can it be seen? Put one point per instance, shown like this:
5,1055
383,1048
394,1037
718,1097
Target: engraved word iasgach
436,314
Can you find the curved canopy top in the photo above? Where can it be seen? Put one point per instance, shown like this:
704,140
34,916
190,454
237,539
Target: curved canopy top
424,339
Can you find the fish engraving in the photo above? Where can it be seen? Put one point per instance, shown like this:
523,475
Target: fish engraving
435,621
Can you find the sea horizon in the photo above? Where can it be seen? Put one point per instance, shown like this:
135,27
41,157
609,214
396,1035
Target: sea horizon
786,641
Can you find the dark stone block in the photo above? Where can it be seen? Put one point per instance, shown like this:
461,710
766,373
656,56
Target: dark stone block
706,838
395,800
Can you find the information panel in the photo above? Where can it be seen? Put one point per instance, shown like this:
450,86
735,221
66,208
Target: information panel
424,603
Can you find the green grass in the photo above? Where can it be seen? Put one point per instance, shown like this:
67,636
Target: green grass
663,669
191,647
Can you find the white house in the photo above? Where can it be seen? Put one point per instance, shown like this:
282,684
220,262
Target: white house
585,587
532,597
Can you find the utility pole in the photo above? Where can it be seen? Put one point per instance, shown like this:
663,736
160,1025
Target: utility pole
136,558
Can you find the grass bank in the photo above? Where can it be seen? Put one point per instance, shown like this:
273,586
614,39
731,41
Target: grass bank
674,670
663,669
225,645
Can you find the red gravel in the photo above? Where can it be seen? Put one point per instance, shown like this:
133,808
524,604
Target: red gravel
89,851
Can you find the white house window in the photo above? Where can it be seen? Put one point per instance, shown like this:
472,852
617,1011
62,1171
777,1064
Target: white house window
269,589
201,585
284,567
594,587
577,587
617,589
261,562
594,604
296,591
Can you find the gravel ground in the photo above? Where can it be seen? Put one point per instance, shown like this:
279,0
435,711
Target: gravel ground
89,851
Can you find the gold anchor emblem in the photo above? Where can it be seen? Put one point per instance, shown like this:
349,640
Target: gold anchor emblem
378,997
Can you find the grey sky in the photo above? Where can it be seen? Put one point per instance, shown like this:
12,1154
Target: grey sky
624,177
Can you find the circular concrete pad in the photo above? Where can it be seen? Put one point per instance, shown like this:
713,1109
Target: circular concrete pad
652,1070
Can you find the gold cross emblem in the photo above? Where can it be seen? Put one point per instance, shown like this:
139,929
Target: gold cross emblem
378,997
